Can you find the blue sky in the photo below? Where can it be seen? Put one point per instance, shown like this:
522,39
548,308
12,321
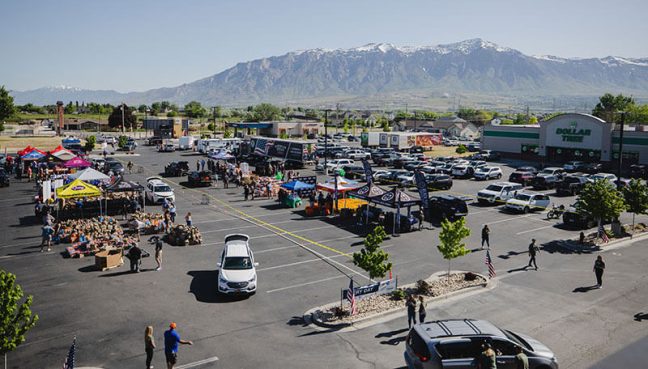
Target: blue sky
141,44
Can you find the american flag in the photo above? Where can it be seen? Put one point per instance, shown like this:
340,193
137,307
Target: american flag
489,263
351,297
69,361
260,147
603,235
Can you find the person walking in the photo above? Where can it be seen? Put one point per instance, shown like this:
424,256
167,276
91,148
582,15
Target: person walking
533,250
172,212
485,236
149,345
171,341
202,164
47,231
411,310
225,180
135,257
487,358
599,268
188,219
246,192
158,253
420,219
422,313
130,167
521,360
198,165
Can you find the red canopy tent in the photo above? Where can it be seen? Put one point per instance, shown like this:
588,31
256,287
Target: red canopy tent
26,150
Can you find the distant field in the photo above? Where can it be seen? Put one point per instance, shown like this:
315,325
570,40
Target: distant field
446,151
23,116
13,144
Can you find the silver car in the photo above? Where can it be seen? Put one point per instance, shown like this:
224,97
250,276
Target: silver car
456,344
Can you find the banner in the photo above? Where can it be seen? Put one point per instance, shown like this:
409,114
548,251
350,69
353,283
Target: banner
295,152
47,190
57,183
379,288
367,171
277,149
312,180
421,184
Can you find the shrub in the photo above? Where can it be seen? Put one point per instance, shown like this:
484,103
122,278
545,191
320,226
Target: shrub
422,287
398,294
470,276
461,149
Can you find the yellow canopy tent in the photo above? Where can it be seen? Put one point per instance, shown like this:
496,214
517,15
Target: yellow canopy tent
77,189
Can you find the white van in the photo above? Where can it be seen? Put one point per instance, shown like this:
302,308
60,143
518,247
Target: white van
186,142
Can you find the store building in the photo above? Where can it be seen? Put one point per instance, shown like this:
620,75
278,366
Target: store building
281,129
568,137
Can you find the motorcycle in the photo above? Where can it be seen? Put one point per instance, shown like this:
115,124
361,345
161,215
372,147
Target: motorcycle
556,212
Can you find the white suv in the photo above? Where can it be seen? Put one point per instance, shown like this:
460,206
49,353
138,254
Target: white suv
484,173
334,164
237,268
354,154
528,201
611,178
156,191
498,192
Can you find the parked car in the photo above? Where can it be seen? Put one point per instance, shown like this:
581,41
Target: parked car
639,171
611,178
488,155
4,178
354,172
116,167
592,168
237,268
391,177
334,164
156,191
200,179
386,159
176,169
153,141
577,220
527,168
415,150
407,179
462,171
168,147
485,173
574,166
572,184
528,201
498,192
447,207
354,154
456,343
474,146
438,181
413,165
400,162
524,178
548,178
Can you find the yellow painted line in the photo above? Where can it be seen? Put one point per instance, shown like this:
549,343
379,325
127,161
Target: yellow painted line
261,222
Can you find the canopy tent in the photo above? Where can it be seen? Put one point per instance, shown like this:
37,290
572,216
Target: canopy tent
49,158
57,149
63,154
77,189
89,174
70,140
77,162
395,198
297,186
26,150
125,186
343,185
367,191
35,154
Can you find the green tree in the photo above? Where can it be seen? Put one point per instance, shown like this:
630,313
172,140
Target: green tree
636,198
211,127
609,106
451,240
122,141
16,317
90,143
371,258
385,126
142,108
533,120
115,118
194,109
172,114
638,114
228,133
461,149
7,108
265,112
69,108
156,108
600,200
345,125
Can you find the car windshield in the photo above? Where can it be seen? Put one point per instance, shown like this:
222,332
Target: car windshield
523,197
495,188
548,171
237,263
162,188
484,169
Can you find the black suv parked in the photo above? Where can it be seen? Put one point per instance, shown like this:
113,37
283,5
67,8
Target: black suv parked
574,219
438,181
572,184
639,171
446,207
176,169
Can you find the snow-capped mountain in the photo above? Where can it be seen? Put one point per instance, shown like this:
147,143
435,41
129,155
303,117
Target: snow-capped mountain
471,66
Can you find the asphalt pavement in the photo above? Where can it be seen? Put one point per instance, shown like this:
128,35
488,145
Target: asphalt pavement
305,262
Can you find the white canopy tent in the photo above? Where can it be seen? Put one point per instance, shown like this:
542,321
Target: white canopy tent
89,174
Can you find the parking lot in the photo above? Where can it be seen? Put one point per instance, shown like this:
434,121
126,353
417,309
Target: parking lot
304,262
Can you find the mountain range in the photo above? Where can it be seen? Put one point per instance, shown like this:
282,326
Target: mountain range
382,72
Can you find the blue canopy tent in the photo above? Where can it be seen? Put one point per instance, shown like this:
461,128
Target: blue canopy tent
33,155
297,186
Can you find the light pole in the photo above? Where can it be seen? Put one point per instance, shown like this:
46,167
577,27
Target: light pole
147,111
326,111
623,116
123,126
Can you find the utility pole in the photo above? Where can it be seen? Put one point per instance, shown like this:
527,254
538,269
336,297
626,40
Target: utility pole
623,116
326,111
123,125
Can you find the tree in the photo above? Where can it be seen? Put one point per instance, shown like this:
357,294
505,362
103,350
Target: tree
172,114
156,108
533,120
228,133
636,198
609,106
371,258
451,236
385,126
345,125
142,108
638,114
90,143
69,108
115,118
7,108
600,200
15,317
194,109
265,112
461,149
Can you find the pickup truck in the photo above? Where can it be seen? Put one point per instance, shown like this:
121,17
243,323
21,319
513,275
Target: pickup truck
354,154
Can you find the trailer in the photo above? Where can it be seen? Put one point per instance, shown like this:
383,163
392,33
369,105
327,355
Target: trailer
186,142
293,152
370,139
405,140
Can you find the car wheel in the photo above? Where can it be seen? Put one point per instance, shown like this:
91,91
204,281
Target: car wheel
499,176
526,210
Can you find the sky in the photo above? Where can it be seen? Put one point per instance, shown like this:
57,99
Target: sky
135,45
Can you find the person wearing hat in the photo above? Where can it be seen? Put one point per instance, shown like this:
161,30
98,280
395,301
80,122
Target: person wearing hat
521,360
487,359
533,250
171,341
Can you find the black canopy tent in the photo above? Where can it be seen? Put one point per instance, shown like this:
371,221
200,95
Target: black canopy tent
395,198
120,186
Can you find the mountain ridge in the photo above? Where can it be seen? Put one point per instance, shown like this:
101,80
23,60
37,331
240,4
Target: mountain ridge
383,69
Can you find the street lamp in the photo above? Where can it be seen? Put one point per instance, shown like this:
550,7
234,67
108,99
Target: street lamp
623,116
326,111
147,111
123,125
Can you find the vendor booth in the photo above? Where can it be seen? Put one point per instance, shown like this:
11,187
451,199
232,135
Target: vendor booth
397,199
77,163
291,192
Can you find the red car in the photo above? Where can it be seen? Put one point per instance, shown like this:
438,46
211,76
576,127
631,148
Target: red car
524,178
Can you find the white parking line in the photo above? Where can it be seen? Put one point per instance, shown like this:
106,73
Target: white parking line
233,218
272,234
308,283
533,230
198,363
244,227
307,261
510,219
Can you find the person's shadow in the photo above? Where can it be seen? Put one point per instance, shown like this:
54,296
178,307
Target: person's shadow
640,316
518,269
585,289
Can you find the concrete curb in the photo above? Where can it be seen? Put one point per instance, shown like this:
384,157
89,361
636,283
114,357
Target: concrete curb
313,315
623,242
